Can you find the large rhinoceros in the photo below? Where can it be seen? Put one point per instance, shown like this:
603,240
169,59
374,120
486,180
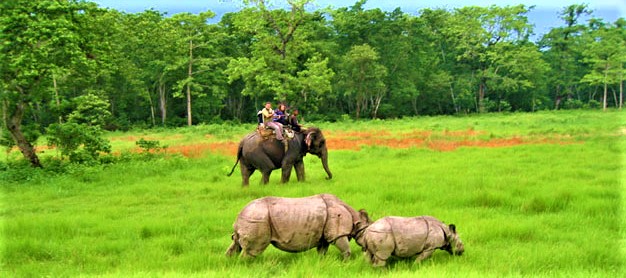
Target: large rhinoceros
405,237
296,224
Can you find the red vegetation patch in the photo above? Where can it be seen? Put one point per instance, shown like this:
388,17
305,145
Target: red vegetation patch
149,138
198,150
440,141
354,140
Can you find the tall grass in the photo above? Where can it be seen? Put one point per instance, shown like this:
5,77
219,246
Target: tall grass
527,210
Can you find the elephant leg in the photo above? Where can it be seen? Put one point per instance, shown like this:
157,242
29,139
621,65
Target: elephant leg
286,173
299,166
322,247
246,172
343,244
266,176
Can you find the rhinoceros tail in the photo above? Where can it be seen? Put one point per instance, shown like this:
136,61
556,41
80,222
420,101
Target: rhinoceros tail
239,151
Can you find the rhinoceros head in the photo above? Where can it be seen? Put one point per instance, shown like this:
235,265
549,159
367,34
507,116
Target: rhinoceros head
360,224
454,245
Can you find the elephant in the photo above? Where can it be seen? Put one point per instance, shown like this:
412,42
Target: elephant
406,237
296,225
257,151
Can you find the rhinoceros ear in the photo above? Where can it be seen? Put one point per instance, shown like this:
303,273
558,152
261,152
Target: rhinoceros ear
363,215
452,228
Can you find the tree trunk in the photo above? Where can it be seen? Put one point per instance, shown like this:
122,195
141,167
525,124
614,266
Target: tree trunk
189,74
621,94
376,100
605,89
152,116
557,97
621,89
13,123
456,108
162,102
481,97
56,97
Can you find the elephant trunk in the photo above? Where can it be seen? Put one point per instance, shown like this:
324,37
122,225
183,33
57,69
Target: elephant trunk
324,158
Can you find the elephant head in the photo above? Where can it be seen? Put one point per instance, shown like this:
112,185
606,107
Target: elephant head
316,145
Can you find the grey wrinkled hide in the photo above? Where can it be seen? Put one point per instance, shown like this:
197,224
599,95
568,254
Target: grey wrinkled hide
296,225
405,237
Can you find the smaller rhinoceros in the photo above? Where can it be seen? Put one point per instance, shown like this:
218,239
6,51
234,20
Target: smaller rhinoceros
405,237
296,225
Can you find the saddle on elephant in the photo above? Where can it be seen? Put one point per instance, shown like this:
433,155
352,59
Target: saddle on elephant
267,133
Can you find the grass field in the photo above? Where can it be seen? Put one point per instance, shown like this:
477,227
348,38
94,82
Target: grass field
531,194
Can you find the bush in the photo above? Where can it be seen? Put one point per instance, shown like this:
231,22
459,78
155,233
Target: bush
81,143
593,104
573,104
148,146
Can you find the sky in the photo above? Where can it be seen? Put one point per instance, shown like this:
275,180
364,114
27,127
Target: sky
544,16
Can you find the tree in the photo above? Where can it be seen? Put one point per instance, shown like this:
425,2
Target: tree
150,56
38,38
282,63
198,40
363,78
562,49
80,138
606,55
482,34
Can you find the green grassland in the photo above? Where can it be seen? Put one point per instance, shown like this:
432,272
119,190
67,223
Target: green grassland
539,209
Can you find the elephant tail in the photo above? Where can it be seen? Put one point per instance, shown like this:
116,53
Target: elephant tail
239,151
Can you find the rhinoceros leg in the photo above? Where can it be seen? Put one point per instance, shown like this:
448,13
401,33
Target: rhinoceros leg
380,246
322,247
343,243
252,246
424,255
234,248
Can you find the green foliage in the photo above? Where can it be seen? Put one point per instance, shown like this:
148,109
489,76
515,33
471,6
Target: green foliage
90,110
80,142
74,61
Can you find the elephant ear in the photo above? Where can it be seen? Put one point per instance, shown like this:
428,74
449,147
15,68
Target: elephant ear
307,140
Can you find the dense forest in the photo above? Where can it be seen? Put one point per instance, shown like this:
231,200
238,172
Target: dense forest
69,68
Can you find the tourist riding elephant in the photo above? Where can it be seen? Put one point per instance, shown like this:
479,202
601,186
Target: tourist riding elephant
267,154
296,225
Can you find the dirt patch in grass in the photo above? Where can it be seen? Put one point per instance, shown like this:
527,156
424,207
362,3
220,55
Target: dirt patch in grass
439,141
198,150
355,140
133,138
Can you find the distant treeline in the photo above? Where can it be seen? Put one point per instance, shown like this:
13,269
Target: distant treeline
73,61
